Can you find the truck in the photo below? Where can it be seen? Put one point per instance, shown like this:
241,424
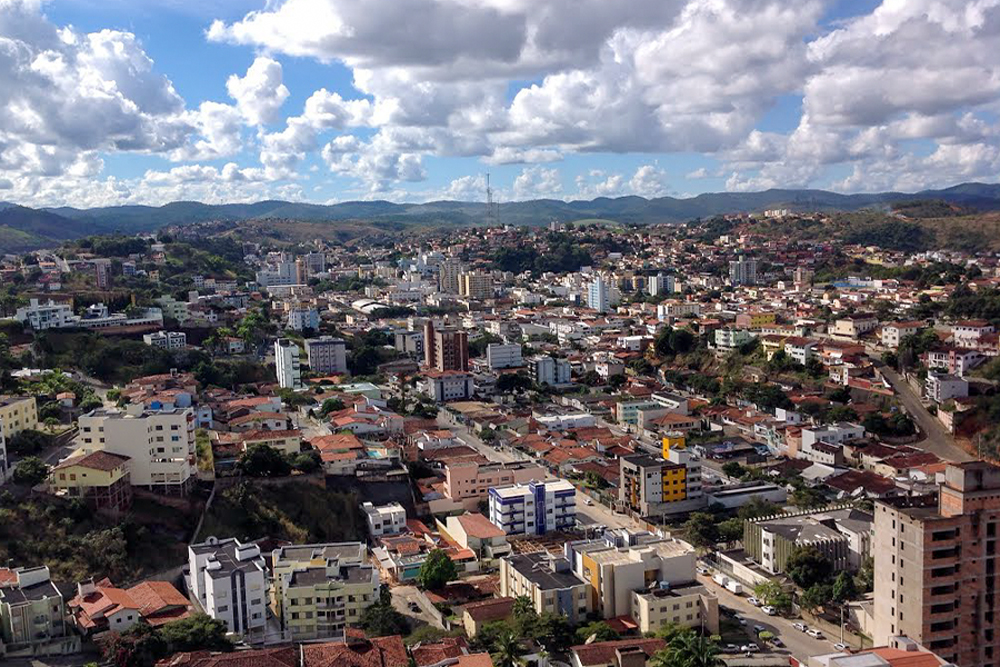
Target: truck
720,579
734,587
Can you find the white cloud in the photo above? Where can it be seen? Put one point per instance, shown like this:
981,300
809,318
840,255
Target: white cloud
260,94
649,181
537,183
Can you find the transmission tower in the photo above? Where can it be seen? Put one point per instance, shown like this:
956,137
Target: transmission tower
492,207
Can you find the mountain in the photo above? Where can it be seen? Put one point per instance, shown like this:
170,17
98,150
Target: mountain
23,228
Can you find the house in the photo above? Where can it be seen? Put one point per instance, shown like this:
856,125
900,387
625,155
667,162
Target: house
941,387
953,360
356,651
285,656
633,652
382,520
475,615
854,326
474,531
101,606
340,452
894,332
101,479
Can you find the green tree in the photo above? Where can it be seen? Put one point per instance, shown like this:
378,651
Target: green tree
27,442
816,596
381,619
331,405
689,650
260,460
700,530
139,646
601,631
844,589
670,631
806,497
756,508
438,569
771,593
733,469
523,606
31,471
508,651
806,566
198,632
730,530
864,580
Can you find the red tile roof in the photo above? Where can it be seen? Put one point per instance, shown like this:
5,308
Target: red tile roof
286,656
376,652
99,460
603,653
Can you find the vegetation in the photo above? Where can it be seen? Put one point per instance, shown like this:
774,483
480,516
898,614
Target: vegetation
30,471
806,566
142,645
381,619
689,650
438,569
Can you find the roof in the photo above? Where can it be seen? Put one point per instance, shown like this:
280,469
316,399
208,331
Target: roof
477,525
375,652
900,658
485,611
433,653
603,653
535,567
286,656
99,460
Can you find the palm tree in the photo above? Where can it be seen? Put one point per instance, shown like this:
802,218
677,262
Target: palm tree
508,651
522,606
689,650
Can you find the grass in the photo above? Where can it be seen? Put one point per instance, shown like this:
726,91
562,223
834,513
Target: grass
298,511
203,447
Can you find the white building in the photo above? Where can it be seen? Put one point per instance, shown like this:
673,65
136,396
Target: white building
160,444
534,508
41,316
894,332
832,434
503,356
546,370
286,363
941,387
279,275
730,338
445,386
168,340
327,355
743,271
597,295
448,272
384,519
660,284
303,318
230,581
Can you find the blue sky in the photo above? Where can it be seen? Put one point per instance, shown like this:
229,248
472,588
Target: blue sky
328,100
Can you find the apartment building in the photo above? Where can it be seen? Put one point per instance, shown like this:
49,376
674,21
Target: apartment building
550,371
167,340
159,444
936,569
470,482
229,579
327,355
448,275
444,386
17,413
503,356
894,332
548,582
286,364
854,326
743,271
598,296
300,318
755,319
730,338
445,349
941,387
384,519
535,508
688,605
42,316
33,615
652,485
320,589
476,285
843,535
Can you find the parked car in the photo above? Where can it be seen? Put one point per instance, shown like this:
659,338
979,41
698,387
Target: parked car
757,629
414,607
741,620
701,569
750,648
732,648
841,647
769,610
754,601
813,632
801,627
777,642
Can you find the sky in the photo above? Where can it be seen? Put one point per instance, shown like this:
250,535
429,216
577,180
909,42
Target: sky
112,102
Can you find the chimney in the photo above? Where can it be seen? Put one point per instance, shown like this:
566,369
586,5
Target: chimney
85,588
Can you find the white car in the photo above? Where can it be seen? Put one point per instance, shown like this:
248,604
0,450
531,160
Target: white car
801,627
840,647
754,601
741,620
701,569
813,632
750,648
769,610
588,501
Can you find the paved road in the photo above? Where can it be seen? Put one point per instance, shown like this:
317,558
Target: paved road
402,596
937,441
797,643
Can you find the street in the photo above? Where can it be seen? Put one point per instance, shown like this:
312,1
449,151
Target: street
403,596
937,440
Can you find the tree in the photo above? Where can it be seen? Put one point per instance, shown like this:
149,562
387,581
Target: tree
806,566
730,530
513,382
844,589
601,631
771,593
806,497
438,569
199,632
733,469
689,650
508,651
669,631
27,442
260,460
139,646
816,596
523,606
31,471
488,435
381,619
700,530
864,580
307,462
331,405
756,508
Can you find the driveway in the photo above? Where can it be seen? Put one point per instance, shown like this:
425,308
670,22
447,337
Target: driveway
402,596
936,440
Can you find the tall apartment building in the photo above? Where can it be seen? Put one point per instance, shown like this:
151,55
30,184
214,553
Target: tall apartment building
160,444
476,285
660,284
547,370
597,295
410,343
327,355
286,363
102,273
548,582
936,568
320,589
534,508
229,579
33,614
446,349
17,413
503,356
743,271
651,485
315,262
448,275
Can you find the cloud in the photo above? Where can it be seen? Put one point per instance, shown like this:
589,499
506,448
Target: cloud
260,94
537,183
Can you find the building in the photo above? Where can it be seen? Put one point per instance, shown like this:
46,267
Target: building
42,316
327,355
315,262
475,615
410,343
229,580
384,519
168,340
550,371
301,318
630,652
534,508
800,349
101,479
597,295
286,364
101,606
660,284
843,535
650,485
159,445
358,651
941,387
954,360
33,615
476,285
730,338
471,481
548,582
444,386
688,605
102,273
854,326
445,349
894,332
475,532
320,589
901,652
743,271
503,356
448,275
17,413
935,566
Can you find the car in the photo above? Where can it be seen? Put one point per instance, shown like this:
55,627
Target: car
754,601
414,607
750,648
757,629
814,633
701,569
732,648
801,627
777,642
741,620
841,646
588,501
769,610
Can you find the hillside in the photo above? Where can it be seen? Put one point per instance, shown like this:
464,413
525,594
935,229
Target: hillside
24,228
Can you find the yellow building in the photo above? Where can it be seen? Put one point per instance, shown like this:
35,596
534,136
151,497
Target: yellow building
674,483
100,478
17,413
761,319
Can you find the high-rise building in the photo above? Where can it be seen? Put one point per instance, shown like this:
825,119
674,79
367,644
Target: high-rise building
286,363
544,369
476,285
327,355
503,356
229,578
102,272
534,508
597,295
743,271
448,272
446,349
936,568
660,284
